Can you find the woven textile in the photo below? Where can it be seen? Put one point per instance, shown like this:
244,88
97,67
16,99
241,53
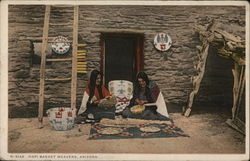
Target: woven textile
99,131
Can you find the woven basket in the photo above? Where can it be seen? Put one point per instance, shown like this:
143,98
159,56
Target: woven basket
108,102
110,131
150,129
138,109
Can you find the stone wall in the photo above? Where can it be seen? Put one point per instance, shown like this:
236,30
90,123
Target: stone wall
172,70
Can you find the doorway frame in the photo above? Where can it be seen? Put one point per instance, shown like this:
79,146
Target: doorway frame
139,51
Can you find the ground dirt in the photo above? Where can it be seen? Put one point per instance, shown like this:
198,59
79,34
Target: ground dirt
207,130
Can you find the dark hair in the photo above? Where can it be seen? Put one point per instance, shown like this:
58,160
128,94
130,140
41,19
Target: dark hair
143,76
136,91
92,82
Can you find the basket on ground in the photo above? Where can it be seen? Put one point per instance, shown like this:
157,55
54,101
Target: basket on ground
137,109
61,118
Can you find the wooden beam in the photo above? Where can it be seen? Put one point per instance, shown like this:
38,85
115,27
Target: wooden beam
82,71
229,36
235,73
58,79
197,79
74,58
81,57
239,78
81,45
66,59
230,123
241,88
81,54
81,51
203,54
43,63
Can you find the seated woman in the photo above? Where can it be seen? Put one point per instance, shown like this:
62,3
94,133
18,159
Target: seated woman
95,93
145,92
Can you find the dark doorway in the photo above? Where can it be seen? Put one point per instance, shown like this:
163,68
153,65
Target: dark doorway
216,89
122,56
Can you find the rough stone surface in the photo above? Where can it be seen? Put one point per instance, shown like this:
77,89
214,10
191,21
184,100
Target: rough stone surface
172,70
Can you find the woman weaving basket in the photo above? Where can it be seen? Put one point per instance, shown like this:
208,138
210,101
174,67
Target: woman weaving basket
145,93
97,102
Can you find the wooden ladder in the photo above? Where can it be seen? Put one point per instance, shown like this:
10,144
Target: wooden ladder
44,60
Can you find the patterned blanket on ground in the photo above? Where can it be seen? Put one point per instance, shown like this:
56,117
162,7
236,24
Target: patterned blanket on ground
127,130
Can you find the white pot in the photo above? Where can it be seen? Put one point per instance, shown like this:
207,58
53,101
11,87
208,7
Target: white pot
61,118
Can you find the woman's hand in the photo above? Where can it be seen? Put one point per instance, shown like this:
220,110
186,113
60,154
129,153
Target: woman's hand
101,100
141,102
95,102
108,97
98,101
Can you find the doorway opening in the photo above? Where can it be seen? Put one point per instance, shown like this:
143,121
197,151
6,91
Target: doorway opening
216,89
121,56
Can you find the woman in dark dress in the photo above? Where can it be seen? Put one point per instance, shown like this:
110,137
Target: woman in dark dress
96,93
145,91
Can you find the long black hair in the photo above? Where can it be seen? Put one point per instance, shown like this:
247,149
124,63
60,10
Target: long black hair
92,83
143,76
137,87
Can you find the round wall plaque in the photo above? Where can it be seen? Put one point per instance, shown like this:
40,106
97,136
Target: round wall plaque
60,45
162,41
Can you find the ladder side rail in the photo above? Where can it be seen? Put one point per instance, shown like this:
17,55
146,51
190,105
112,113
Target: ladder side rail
74,57
43,63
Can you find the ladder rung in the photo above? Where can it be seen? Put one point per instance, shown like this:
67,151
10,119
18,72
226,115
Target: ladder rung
81,45
81,65
58,79
65,59
81,57
82,71
81,51
81,54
